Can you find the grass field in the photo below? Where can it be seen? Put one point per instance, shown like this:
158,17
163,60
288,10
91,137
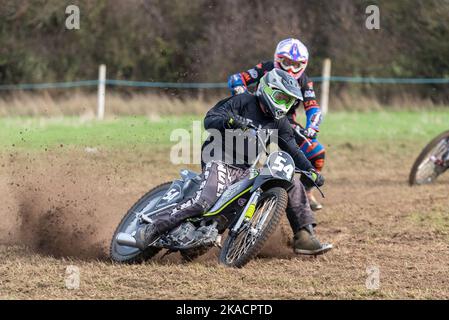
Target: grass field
359,128
61,204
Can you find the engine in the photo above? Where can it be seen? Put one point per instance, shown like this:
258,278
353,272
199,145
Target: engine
188,236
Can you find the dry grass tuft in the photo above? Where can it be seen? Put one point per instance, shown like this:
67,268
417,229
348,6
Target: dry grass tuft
84,104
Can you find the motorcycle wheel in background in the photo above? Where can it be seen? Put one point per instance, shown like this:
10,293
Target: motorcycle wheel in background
129,224
432,162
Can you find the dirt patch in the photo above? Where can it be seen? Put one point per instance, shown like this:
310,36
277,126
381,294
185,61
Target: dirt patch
58,206
58,229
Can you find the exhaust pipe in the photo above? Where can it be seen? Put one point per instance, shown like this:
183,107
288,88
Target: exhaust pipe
125,239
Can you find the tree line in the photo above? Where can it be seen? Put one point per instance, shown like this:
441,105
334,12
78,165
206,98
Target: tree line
206,40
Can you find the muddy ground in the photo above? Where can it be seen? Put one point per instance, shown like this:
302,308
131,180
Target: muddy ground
60,208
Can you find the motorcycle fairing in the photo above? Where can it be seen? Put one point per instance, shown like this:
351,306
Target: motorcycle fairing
232,193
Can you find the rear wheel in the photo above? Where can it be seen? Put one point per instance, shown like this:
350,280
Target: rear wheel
431,162
129,225
243,246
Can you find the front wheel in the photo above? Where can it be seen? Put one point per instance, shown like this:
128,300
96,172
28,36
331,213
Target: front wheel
240,248
432,161
129,225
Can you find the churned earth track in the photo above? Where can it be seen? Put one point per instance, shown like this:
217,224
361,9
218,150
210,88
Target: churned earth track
61,206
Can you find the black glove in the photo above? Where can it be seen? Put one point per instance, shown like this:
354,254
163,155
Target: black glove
317,177
239,122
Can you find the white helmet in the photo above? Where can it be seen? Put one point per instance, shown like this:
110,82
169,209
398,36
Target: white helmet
291,55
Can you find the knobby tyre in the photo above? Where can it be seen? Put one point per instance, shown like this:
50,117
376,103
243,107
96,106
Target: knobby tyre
240,248
125,254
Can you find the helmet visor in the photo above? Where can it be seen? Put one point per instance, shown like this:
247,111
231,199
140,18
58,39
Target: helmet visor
282,99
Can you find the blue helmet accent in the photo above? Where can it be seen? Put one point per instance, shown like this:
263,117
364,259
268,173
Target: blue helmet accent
235,81
294,52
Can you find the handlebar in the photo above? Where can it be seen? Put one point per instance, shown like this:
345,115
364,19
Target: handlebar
302,136
308,175
251,126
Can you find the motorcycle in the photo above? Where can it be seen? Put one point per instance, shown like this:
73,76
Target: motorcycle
250,210
432,161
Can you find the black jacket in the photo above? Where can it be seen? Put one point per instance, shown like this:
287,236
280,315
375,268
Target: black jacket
247,106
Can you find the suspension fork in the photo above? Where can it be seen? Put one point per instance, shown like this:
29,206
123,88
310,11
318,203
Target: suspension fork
248,211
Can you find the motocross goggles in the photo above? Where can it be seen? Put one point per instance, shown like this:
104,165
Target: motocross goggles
291,65
280,97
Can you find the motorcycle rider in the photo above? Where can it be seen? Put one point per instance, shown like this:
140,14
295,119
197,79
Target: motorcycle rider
276,94
291,55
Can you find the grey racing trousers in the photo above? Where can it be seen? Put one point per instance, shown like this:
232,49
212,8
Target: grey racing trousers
216,177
